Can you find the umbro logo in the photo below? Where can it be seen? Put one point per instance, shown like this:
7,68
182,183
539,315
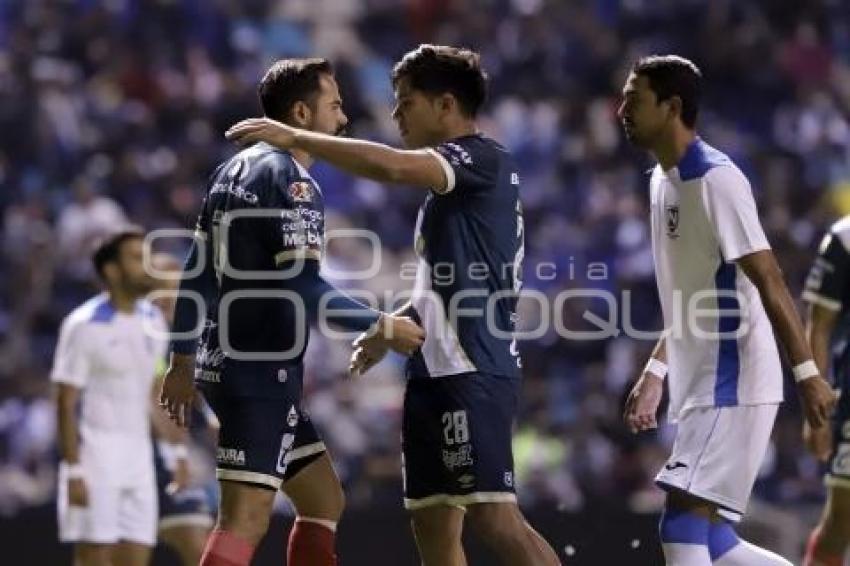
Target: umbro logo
674,466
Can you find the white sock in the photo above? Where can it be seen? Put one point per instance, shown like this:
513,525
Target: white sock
746,554
679,554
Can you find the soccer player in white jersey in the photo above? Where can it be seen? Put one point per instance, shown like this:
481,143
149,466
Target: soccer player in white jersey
723,298
105,362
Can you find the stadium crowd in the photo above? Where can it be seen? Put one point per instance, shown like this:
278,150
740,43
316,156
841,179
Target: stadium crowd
115,110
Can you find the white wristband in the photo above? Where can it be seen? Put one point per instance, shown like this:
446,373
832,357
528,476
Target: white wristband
805,370
656,368
179,451
73,471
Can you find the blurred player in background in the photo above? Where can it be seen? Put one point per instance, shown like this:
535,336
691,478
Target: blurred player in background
105,362
462,395
725,375
264,216
185,515
827,292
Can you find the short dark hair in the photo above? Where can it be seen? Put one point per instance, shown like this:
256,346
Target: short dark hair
672,75
439,69
108,248
288,81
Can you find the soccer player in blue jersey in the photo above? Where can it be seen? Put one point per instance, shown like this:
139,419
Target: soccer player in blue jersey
715,270
463,384
827,292
254,266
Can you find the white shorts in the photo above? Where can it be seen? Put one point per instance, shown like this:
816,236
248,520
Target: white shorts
114,513
717,454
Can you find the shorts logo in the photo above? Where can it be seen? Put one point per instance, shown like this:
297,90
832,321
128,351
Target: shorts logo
232,456
509,479
672,219
282,375
466,481
301,191
292,417
673,466
841,461
286,443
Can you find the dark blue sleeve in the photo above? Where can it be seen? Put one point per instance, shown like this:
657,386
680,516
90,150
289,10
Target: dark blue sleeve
468,165
340,310
186,316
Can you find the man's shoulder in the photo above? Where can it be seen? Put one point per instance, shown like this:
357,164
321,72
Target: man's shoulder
97,310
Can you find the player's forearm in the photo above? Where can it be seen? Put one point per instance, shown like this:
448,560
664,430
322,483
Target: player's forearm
69,435
321,299
192,296
363,158
784,318
819,339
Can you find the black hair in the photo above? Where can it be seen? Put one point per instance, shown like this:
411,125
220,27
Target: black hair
672,75
288,81
439,69
108,248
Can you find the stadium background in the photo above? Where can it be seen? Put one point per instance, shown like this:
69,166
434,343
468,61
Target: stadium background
115,109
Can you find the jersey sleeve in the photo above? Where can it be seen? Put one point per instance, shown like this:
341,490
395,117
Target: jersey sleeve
71,363
465,169
732,212
829,277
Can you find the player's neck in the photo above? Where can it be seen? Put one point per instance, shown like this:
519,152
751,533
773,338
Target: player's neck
122,301
302,157
460,129
672,148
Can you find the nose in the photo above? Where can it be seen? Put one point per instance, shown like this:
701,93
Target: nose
343,120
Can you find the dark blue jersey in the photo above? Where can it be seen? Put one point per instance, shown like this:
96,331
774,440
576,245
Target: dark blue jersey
828,285
469,240
259,242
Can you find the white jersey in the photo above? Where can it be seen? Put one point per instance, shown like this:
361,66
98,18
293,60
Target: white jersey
112,357
720,346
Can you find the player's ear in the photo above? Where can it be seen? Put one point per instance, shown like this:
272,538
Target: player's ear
675,105
301,114
445,103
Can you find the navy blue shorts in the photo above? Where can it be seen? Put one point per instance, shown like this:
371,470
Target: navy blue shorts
456,440
187,507
839,463
265,437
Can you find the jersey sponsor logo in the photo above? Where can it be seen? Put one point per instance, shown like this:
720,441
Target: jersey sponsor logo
455,153
301,191
238,192
296,240
210,357
232,456
672,220
514,178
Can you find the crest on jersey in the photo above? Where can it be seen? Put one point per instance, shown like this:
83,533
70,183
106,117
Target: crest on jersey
671,217
301,191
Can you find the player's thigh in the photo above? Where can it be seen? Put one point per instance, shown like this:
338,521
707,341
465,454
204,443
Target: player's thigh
128,553
837,511
496,521
187,540
245,508
315,490
92,554
437,525
138,513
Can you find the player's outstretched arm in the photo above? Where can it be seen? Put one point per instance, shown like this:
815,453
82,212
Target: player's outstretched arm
819,326
816,395
642,405
382,163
